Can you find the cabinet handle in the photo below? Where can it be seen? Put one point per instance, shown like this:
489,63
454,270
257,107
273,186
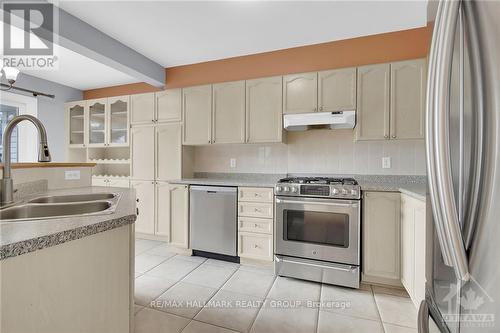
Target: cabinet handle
256,225
255,246
137,200
257,210
137,211
315,109
321,108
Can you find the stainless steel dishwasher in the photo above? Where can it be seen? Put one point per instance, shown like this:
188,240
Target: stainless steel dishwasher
213,224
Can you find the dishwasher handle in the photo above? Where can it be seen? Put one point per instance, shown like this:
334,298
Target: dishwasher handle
213,189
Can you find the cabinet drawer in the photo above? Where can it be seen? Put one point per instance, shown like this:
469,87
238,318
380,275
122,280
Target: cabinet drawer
254,224
255,194
255,246
255,209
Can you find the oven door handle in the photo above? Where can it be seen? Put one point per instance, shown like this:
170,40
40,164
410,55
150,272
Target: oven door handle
351,205
331,265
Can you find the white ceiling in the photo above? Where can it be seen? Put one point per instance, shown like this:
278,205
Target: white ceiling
175,33
77,71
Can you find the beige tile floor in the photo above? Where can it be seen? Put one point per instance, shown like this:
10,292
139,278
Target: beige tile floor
177,293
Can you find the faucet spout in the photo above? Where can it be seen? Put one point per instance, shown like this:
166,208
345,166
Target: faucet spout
6,185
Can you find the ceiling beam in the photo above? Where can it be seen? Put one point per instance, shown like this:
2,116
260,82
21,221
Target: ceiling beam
80,37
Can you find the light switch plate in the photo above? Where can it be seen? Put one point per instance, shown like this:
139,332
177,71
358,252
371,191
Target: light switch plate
386,162
232,163
72,174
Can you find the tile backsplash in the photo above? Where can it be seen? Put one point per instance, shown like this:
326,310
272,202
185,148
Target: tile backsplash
316,151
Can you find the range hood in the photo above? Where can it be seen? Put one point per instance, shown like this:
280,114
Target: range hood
330,120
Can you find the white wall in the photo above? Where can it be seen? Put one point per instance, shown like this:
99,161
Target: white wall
316,151
51,111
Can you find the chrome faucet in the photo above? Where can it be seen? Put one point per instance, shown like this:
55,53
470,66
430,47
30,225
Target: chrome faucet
6,184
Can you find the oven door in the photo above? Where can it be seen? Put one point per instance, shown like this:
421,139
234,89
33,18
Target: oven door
321,229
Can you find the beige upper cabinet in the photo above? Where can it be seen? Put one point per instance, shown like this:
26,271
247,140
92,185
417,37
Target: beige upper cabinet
300,93
381,238
337,90
264,106
142,108
168,151
76,124
145,193
118,129
179,215
169,105
142,152
197,108
97,115
373,102
408,80
228,112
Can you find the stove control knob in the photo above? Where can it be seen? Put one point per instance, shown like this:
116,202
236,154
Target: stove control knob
354,193
279,188
344,191
335,191
286,189
294,190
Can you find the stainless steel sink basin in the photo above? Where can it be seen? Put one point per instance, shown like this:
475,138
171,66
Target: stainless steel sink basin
37,211
74,198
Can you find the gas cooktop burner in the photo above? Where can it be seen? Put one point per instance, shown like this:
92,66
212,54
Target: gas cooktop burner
324,187
319,180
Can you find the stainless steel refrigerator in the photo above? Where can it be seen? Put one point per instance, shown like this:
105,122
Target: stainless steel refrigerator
463,168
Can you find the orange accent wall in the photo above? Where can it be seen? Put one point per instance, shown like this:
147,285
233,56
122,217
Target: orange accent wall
125,89
380,48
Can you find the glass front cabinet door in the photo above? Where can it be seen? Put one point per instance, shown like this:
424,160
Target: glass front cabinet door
97,115
76,124
118,121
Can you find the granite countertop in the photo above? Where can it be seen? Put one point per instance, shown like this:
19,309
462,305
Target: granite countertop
26,236
416,190
231,179
414,186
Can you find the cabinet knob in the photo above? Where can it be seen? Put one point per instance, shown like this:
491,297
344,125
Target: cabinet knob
315,109
321,108
386,136
393,136
255,246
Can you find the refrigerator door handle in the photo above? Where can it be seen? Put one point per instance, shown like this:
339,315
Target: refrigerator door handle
438,140
472,205
423,317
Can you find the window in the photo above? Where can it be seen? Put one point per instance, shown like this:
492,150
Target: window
7,112
24,135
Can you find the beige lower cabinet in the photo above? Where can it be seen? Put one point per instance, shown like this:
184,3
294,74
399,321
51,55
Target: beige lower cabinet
413,245
178,202
381,238
255,223
162,209
145,193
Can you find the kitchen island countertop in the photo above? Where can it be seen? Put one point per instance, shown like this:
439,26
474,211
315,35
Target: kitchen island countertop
20,237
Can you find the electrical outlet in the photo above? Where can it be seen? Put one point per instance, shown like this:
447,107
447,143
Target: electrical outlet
386,162
72,175
232,163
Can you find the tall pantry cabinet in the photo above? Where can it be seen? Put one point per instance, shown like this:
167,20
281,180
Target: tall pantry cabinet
157,157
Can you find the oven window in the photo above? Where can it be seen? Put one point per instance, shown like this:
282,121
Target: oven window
316,227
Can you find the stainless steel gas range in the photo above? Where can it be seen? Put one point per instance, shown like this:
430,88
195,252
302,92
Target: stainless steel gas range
317,231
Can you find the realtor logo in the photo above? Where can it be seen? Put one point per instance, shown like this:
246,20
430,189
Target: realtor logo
36,21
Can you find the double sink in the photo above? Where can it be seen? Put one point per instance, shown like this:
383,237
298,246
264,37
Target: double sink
61,206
